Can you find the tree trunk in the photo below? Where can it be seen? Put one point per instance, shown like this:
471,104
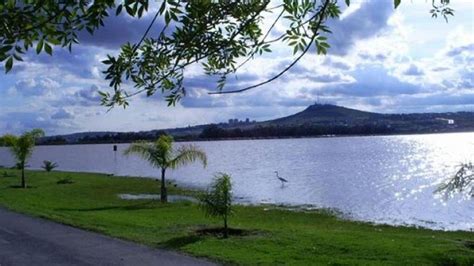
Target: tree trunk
23,181
226,230
164,194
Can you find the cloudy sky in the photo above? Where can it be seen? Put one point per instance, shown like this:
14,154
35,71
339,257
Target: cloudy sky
381,60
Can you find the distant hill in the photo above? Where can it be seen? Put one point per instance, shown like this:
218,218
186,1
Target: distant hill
326,114
316,120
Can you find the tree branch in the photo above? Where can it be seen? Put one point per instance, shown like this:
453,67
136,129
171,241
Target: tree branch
197,59
261,42
321,17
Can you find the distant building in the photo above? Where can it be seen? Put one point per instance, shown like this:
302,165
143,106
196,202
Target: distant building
234,121
448,121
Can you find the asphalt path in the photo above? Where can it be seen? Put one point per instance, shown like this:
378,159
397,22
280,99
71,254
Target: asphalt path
26,240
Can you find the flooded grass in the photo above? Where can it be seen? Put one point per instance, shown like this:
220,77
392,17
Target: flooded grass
171,198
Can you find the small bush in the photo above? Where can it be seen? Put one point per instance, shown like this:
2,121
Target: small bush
49,166
217,200
65,181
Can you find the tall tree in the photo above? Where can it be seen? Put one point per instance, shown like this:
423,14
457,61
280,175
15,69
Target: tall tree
222,36
163,155
22,147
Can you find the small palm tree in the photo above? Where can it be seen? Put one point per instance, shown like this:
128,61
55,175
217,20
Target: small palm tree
22,147
48,166
161,154
217,200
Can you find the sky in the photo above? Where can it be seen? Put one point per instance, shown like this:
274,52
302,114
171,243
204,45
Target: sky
380,60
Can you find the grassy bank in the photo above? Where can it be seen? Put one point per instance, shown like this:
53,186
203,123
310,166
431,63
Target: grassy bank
271,236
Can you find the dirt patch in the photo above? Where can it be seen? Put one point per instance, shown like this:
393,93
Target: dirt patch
219,232
171,198
20,187
65,181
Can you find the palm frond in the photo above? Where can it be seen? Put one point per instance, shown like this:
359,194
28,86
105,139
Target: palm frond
147,151
9,140
36,133
188,154
217,200
22,146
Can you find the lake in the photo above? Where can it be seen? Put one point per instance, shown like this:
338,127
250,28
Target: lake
382,179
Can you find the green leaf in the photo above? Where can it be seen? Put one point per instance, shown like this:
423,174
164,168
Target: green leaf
348,2
295,50
162,7
48,49
39,46
5,48
54,41
129,10
396,3
119,10
167,17
17,57
9,64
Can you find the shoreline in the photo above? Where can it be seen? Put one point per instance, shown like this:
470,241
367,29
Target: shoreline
274,138
315,237
192,191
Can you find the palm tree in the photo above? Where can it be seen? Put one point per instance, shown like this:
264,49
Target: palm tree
161,154
22,147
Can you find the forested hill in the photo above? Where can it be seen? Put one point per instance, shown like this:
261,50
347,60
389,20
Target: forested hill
326,114
316,120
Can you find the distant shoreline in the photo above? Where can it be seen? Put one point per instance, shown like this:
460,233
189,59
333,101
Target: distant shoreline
316,121
197,139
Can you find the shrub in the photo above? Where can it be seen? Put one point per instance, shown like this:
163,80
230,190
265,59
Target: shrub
217,200
49,166
65,181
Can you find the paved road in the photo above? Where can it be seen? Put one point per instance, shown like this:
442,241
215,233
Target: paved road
26,240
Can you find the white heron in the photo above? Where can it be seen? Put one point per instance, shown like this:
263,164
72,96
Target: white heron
283,181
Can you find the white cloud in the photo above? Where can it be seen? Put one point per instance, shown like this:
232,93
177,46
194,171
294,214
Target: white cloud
381,60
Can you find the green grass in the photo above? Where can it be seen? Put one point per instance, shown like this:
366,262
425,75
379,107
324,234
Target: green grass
274,236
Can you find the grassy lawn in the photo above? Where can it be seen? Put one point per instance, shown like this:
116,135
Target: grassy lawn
273,236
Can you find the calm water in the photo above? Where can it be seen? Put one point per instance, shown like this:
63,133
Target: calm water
388,179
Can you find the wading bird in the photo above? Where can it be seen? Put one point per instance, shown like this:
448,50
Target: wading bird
283,181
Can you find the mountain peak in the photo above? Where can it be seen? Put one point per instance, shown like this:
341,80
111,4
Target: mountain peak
325,113
333,111
323,106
